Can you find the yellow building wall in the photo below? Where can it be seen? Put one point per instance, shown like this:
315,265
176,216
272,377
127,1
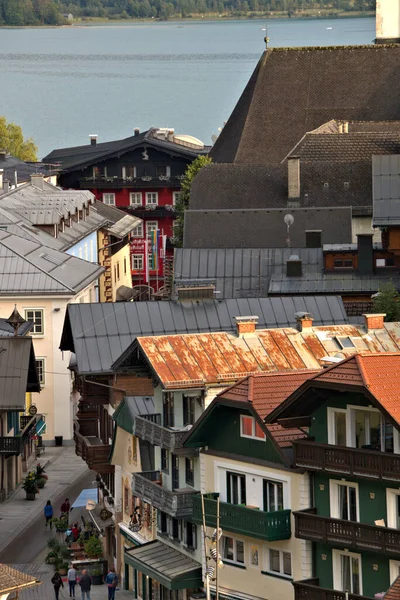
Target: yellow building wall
253,579
121,270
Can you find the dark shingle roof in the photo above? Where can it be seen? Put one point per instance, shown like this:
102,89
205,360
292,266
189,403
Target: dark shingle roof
386,190
295,90
330,283
100,333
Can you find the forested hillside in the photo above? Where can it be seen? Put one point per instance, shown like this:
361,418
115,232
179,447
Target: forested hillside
52,12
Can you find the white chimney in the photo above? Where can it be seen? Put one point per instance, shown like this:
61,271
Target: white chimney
37,180
387,21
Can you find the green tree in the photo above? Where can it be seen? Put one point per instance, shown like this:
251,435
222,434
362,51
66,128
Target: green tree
12,141
184,198
388,301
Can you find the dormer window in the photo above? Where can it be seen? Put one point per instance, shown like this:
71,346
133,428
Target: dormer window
250,428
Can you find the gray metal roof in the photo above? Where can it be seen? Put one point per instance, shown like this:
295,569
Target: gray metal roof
100,333
6,329
28,267
239,272
386,190
17,372
124,226
330,283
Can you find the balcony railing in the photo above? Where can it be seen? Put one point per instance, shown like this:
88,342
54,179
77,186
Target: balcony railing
94,452
131,182
350,534
310,590
147,485
367,464
11,445
270,526
149,428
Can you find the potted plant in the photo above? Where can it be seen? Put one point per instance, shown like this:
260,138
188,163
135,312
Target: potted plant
63,568
51,558
40,472
61,525
96,573
30,486
41,482
93,547
58,555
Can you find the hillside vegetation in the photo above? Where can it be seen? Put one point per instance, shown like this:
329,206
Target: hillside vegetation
53,12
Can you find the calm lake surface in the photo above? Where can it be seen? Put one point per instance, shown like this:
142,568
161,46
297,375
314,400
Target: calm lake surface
63,84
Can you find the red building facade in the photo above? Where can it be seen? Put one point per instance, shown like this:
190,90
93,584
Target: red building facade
142,176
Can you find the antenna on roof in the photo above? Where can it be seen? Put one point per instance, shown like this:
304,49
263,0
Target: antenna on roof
289,220
266,38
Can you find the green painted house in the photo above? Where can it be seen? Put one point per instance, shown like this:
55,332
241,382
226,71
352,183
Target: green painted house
352,454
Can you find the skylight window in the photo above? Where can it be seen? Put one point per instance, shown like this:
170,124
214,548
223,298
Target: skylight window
344,342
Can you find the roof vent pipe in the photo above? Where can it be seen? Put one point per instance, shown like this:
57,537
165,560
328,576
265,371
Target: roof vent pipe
136,131
93,139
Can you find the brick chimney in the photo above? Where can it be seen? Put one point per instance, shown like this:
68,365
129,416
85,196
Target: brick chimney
387,22
374,321
293,163
304,321
246,324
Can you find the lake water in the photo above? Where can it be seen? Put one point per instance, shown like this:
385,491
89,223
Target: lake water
63,84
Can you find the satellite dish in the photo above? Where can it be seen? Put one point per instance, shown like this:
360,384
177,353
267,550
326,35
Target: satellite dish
289,220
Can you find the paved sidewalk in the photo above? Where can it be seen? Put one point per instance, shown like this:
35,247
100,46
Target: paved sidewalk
63,467
46,592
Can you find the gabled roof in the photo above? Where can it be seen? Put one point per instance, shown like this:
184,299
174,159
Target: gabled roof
12,580
265,392
393,592
11,165
6,329
367,373
102,333
195,360
295,90
81,156
18,373
28,267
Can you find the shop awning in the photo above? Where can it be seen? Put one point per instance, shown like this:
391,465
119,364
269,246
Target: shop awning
102,518
84,496
166,565
41,427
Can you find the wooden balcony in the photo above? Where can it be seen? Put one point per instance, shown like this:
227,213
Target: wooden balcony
10,446
117,183
349,534
149,428
270,526
310,590
94,452
87,410
356,462
147,486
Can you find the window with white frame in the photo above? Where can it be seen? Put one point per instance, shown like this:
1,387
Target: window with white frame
129,172
232,550
137,262
163,171
347,572
40,367
235,488
394,570
393,508
279,562
135,198
337,426
250,428
344,500
35,316
152,198
151,226
175,197
109,198
138,231
272,495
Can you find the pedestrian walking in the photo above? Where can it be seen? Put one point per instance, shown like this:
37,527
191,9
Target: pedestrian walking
65,507
86,583
48,514
57,583
112,582
71,576
75,531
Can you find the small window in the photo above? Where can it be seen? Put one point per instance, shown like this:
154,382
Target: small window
340,263
151,226
124,265
163,171
385,262
137,262
37,318
273,495
152,198
191,535
279,562
249,427
129,172
189,470
135,198
138,231
344,342
189,403
109,198
164,460
232,550
40,367
175,197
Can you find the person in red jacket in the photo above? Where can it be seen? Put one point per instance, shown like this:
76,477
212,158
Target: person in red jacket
65,507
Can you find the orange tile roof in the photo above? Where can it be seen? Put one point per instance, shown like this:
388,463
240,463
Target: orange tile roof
189,360
266,391
393,592
377,372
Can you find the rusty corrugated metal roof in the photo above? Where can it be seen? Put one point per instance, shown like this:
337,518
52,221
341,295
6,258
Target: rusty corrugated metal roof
191,360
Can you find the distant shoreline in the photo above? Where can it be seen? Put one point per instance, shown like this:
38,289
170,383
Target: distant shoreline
101,22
